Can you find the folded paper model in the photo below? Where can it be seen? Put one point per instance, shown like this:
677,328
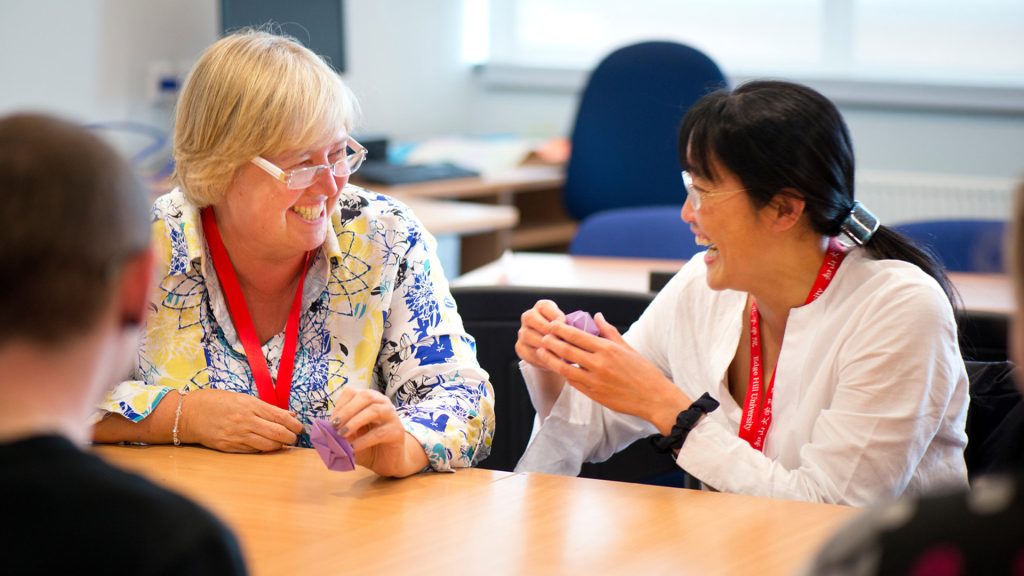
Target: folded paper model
332,447
583,321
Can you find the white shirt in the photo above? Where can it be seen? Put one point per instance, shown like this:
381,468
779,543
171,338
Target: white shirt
870,395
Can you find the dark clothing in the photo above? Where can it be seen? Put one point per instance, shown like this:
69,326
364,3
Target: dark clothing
976,532
68,512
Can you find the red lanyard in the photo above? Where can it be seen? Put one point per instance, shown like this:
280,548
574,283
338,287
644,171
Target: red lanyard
268,391
757,417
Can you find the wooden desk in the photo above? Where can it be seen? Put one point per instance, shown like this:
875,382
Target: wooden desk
980,292
483,229
293,516
534,190
443,217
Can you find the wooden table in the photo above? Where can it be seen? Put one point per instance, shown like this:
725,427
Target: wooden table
293,516
442,217
980,292
483,227
534,190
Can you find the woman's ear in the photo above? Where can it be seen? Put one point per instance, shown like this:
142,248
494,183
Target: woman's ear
785,209
136,279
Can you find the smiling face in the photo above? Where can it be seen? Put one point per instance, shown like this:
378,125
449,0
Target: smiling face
275,221
732,229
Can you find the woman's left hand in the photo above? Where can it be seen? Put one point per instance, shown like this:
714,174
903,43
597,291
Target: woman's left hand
613,374
368,420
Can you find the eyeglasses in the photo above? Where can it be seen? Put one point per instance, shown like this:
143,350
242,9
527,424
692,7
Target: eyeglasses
699,196
302,178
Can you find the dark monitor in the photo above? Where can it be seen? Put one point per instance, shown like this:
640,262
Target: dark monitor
318,24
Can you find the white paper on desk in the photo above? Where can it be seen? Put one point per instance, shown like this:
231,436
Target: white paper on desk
485,155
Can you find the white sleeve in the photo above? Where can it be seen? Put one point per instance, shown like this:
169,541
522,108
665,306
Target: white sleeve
580,430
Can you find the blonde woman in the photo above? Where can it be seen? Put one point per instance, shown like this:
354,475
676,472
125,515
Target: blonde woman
286,295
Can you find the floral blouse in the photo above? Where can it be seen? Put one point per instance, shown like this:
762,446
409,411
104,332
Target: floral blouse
377,313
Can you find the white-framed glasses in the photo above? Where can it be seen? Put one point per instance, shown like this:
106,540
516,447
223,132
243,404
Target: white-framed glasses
698,196
302,178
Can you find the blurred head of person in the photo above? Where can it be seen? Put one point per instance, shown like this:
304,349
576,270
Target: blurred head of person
74,247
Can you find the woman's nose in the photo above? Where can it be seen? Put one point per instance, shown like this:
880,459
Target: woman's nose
327,178
688,214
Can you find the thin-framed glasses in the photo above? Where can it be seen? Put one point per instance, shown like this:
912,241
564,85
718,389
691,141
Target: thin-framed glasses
301,178
698,196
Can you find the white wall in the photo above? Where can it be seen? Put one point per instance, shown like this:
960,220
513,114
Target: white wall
404,66
91,59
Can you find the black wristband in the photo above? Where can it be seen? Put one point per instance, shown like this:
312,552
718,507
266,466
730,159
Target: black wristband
685,422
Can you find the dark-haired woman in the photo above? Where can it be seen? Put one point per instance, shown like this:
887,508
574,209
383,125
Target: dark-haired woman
781,362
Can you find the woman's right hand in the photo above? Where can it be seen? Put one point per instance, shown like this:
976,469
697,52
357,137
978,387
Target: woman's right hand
535,325
235,422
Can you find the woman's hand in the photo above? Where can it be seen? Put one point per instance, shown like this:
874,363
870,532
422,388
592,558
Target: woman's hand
235,422
535,324
368,420
611,372
546,386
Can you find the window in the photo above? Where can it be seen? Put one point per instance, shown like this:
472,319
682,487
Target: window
966,43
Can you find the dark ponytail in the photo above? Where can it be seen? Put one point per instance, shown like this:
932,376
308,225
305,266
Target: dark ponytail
888,244
778,135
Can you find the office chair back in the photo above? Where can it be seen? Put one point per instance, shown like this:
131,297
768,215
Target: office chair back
995,419
624,141
984,336
961,245
644,232
492,315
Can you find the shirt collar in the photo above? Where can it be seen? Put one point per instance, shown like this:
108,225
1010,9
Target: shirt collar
186,230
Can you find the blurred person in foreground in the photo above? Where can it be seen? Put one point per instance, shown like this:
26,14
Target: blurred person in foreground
75,250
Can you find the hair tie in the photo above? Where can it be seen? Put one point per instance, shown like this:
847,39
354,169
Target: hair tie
860,224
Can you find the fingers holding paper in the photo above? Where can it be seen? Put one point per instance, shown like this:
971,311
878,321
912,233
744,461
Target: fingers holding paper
609,371
535,324
369,421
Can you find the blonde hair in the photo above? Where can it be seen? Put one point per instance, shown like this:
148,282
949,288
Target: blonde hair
253,93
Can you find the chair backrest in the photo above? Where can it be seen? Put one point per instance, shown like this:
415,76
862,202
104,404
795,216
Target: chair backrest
995,419
961,245
491,314
624,141
984,336
643,232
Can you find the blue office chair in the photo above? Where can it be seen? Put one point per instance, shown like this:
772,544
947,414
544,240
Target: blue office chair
643,232
624,141
961,245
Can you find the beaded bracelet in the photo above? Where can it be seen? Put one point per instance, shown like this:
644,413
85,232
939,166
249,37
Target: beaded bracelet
177,417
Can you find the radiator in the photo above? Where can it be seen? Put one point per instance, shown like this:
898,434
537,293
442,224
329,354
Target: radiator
897,197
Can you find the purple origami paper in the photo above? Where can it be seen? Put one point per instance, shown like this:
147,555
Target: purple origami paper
332,447
583,321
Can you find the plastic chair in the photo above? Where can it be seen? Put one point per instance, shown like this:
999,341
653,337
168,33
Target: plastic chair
961,245
644,232
624,141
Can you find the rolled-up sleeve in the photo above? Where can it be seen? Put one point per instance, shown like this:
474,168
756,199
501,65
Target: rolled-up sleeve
429,367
